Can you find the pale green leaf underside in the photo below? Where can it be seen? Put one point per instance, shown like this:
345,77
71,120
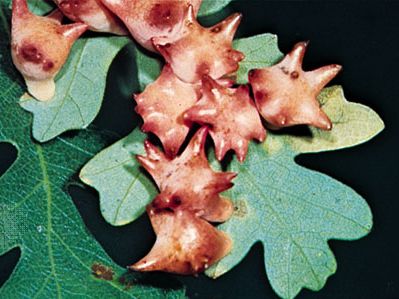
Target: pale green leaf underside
293,212
260,51
79,89
209,7
36,214
124,188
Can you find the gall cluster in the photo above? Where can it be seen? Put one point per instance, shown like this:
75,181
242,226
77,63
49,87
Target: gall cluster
196,86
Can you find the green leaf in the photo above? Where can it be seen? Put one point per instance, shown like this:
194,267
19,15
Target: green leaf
294,211
36,215
148,66
40,7
79,88
116,166
209,7
260,51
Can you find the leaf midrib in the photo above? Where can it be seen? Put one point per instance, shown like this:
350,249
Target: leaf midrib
49,195
48,190
125,196
295,197
293,242
283,224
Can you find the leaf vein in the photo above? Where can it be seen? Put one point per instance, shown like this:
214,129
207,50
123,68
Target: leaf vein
125,196
75,70
47,189
108,168
75,147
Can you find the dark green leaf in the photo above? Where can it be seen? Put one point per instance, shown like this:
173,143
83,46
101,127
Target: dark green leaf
58,255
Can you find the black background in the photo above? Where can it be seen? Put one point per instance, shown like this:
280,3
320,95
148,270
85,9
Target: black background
363,37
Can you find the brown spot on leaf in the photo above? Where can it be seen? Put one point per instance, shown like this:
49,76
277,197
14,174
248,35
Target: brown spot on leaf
240,208
102,272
